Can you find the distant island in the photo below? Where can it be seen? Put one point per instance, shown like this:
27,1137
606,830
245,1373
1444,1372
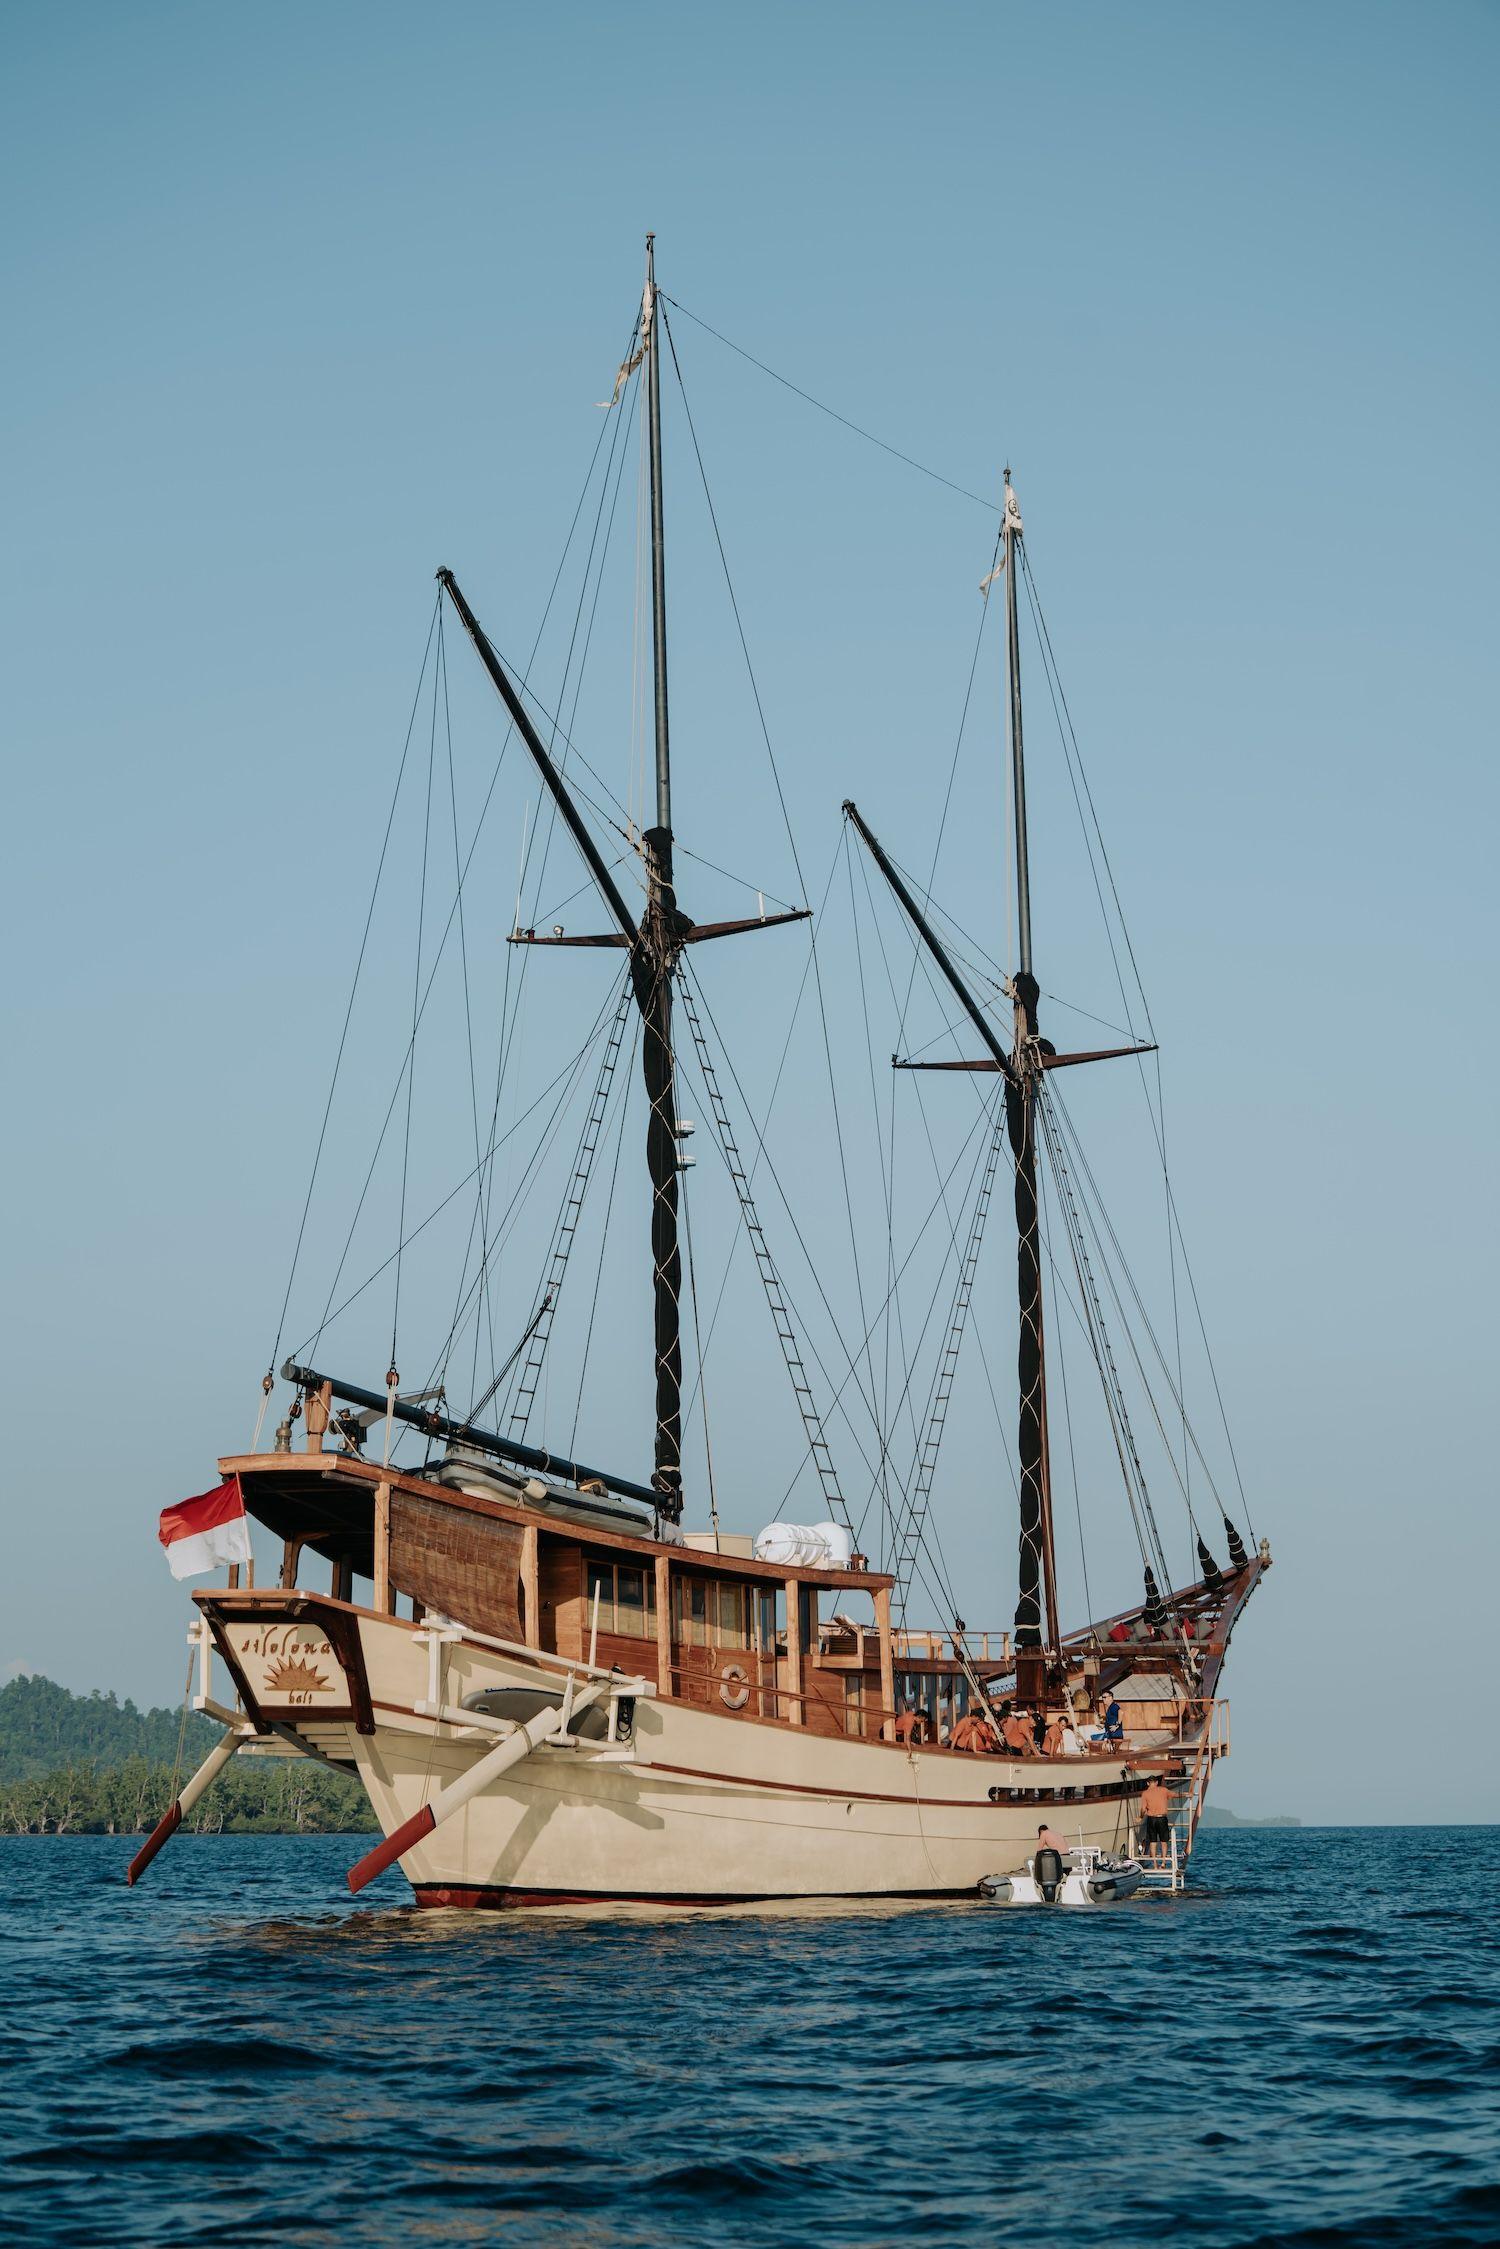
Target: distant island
1216,1815
92,1765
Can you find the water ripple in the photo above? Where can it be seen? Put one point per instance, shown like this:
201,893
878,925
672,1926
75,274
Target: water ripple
1296,2056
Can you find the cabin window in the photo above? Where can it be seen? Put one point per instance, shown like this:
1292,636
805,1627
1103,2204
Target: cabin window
627,1599
765,1620
711,1614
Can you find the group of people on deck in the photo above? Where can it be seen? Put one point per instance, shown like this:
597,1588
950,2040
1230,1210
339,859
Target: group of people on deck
1039,1733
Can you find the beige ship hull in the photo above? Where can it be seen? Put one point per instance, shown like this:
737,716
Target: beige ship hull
691,1807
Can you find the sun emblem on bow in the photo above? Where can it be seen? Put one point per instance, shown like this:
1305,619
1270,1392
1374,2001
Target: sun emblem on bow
294,1679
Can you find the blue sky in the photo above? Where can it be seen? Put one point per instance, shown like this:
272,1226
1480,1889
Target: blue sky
303,303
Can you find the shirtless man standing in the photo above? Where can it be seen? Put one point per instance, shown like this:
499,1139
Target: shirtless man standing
1156,1825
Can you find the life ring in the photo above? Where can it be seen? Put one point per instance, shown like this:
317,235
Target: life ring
734,1697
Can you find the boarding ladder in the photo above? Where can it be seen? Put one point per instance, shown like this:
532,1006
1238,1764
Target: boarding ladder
786,1334
1187,1800
529,1379
913,1523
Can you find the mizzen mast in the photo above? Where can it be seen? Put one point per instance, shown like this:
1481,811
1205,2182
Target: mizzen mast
1022,1068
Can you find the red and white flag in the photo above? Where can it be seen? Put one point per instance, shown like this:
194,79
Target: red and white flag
200,1534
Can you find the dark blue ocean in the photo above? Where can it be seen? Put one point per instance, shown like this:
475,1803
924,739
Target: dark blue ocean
1306,2051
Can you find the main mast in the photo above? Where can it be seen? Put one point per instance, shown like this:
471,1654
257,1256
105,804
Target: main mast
653,959
654,945
1036,1603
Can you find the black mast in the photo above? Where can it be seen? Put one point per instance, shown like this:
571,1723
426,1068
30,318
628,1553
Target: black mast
1023,1068
653,959
1038,1571
655,945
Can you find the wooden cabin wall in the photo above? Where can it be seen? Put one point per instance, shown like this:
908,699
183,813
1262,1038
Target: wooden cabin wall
699,1664
560,1580
466,1566
824,1707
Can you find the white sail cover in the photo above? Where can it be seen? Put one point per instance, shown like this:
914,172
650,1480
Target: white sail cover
815,1546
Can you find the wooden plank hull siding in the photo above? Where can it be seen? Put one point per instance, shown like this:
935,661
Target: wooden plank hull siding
467,1566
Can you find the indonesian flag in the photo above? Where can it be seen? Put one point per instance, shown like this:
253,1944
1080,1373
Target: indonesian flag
200,1534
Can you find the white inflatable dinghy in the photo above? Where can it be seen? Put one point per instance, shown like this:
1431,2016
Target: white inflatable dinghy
1084,1877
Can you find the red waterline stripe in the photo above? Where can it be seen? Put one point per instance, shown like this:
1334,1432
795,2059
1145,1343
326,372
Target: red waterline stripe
487,1899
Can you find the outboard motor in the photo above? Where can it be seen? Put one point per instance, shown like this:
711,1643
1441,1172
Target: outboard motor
1047,1872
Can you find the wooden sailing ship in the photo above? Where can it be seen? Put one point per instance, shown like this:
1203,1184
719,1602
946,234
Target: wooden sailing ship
552,1692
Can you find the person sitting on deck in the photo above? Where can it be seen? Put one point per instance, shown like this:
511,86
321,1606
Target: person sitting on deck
1053,1737
975,1733
912,1728
1015,1732
1070,1744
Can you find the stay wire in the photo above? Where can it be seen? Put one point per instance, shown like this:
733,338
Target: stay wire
468,861
1097,1204
354,985
832,411
1062,1368
572,1073
958,743
838,1126
786,1046
438,1208
609,491
1069,736
416,986
588,1339
463,942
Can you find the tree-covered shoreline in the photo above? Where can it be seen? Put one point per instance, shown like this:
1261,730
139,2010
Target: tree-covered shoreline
91,1765
252,1796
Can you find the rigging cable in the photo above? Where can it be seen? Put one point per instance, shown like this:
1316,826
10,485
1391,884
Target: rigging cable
1104,1359
453,910
603,1240
572,1073
305,1348
1098,1203
786,1046
838,1126
416,1000
1074,757
1062,1368
353,990
832,411
463,942
702,1387
565,1230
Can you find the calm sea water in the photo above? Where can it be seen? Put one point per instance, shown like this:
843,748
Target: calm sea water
1304,2052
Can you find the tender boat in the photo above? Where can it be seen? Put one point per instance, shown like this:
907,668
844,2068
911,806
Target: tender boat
1085,1877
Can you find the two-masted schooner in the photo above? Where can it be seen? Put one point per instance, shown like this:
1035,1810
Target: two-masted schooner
549,1688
